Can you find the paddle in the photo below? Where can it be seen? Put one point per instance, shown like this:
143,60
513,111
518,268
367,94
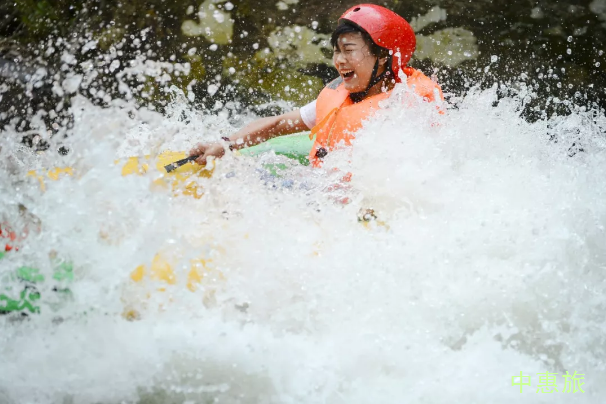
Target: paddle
173,166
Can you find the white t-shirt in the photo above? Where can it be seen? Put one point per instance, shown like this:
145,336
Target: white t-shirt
308,114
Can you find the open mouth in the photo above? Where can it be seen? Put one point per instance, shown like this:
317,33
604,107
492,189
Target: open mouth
347,74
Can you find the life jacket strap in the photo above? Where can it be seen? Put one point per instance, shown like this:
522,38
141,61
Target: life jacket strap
360,95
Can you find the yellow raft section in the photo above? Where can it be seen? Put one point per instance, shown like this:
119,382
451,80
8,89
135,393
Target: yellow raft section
161,270
180,181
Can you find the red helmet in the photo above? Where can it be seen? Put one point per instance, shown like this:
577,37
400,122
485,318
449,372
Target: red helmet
387,29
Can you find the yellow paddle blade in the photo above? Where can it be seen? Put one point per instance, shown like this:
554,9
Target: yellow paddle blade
183,179
133,166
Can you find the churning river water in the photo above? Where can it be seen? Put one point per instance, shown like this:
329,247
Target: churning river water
487,260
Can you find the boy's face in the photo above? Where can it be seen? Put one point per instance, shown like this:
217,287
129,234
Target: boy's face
354,61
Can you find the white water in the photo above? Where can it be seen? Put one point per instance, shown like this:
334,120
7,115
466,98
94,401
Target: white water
491,262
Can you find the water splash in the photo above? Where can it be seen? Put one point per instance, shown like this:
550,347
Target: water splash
486,260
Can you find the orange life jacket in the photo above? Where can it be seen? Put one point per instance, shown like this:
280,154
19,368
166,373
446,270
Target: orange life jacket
339,118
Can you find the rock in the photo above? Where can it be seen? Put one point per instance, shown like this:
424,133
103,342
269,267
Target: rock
214,24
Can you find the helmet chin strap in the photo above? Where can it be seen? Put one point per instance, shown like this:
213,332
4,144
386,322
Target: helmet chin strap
374,79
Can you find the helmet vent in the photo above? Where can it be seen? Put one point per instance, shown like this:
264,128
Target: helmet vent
356,9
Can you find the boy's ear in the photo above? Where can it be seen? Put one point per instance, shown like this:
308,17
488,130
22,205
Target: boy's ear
383,61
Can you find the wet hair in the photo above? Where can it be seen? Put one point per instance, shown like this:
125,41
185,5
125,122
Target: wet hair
346,27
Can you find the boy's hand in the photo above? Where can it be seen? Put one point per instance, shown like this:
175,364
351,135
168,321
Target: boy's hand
205,150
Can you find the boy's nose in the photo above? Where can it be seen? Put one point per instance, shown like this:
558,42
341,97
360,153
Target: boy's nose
340,58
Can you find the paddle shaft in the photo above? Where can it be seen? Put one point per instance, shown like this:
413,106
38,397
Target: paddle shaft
173,166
